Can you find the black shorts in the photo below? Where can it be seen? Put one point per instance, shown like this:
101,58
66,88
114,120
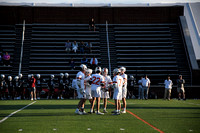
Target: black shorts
33,89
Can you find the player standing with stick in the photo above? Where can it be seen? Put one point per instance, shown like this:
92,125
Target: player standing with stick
80,89
124,88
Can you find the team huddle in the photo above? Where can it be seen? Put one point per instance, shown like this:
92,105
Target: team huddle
96,86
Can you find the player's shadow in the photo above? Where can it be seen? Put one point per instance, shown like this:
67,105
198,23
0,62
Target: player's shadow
46,110
45,106
139,107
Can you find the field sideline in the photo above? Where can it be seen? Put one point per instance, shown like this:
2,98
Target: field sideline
51,116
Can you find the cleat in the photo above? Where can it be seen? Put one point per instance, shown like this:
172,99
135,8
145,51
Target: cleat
99,113
35,99
62,98
90,112
80,113
84,113
123,112
117,113
114,111
31,99
104,111
76,112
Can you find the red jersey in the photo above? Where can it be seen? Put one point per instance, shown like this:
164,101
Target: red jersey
33,82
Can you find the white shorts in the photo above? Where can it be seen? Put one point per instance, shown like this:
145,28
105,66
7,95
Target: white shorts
179,90
81,95
96,93
124,93
117,95
105,94
88,93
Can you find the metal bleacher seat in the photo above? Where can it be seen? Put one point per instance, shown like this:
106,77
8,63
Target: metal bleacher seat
48,55
7,44
147,49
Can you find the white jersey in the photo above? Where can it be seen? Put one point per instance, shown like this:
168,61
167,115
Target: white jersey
107,80
124,76
168,84
87,85
96,79
118,80
145,82
80,76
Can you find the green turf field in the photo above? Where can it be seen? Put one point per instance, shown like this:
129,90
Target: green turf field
53,116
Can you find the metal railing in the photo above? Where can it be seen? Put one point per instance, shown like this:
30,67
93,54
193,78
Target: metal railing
108,48
21,56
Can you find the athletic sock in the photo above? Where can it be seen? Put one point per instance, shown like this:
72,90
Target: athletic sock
104,109
91,110
82,109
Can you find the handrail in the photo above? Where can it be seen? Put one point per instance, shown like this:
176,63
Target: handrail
193,20
108,48
181,18
21,56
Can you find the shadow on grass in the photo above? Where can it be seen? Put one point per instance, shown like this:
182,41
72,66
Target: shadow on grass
44,106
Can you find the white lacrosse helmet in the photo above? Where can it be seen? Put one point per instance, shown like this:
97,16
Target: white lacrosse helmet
89,71
10,78
66,75
105,71
20,75
131,77
16,77
2,76
83,67
116,71
123,69
29,76
97,69
52,76
61,75
38,76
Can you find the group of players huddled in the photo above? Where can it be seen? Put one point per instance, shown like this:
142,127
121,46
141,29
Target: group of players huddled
20,88
96,86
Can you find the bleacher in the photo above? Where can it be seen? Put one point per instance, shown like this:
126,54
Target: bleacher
47,53
151,49
7,44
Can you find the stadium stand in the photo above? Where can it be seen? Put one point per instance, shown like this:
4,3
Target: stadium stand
47,53
153,49
7,44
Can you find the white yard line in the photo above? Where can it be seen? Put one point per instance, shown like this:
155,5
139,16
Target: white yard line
192,103
5,118
187,102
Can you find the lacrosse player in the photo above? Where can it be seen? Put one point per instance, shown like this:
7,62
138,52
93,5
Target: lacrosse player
97,81
117,86
105,89
61,86
51,86
124,88
80,76
88,85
